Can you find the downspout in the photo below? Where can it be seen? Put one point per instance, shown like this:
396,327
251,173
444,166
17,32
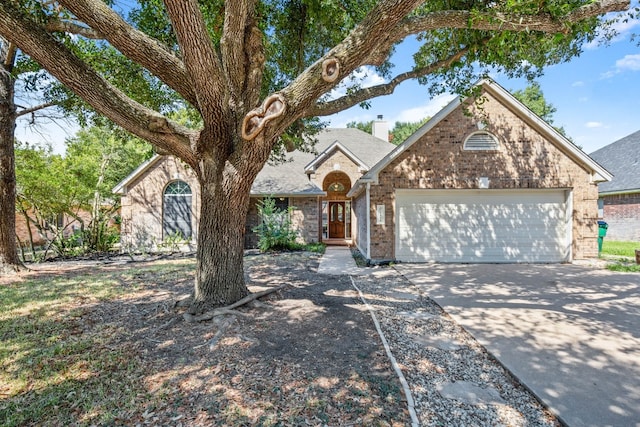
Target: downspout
368,199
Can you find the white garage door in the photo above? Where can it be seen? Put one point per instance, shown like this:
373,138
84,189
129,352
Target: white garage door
482,226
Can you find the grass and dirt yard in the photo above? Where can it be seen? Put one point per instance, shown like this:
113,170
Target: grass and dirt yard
87,344
621,255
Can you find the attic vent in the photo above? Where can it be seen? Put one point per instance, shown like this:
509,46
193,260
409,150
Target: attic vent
481,141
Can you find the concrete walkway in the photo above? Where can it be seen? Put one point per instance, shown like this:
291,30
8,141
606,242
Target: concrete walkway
337,260
571,334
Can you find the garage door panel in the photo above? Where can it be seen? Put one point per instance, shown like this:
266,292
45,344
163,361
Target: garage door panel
466,226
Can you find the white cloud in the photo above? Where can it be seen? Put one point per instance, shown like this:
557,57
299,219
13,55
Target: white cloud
608,74
629,62
430,109
579,83
364,76
593,125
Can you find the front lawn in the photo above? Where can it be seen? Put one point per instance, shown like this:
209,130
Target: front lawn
103,345
59,365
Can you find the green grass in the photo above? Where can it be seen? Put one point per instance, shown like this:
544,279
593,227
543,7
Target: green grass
622,254
619,248
316,247
59,365
624,267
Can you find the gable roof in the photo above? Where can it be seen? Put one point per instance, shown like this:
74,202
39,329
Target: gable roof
290,178
121,188
568,147
622,159
336,146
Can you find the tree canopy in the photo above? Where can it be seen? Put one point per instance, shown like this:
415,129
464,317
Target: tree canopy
533,97
75,188
399,132
259,72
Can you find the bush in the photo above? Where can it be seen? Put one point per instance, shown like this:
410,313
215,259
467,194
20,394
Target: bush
275,231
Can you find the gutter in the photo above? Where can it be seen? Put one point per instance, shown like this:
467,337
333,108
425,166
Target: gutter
618,192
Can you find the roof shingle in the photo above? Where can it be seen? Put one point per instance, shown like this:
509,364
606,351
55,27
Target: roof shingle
622,159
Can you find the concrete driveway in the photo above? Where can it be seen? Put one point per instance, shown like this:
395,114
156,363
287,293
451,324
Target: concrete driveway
569,333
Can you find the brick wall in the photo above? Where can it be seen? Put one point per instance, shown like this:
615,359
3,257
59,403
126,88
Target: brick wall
142,205
304,218
142,208
69,223
622,214
338,161
525,160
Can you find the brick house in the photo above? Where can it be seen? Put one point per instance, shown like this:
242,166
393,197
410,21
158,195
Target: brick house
477,183
162,196
480,182
619,199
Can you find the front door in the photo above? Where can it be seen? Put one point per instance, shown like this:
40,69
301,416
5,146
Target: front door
336,220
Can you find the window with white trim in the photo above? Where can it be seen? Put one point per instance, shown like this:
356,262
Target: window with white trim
481,140
176,216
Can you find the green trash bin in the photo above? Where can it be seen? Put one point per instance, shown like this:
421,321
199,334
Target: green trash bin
602,231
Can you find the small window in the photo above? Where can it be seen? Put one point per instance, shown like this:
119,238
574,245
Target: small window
481,141
282,203
600,208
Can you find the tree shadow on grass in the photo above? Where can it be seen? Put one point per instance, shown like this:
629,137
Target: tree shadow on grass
307,354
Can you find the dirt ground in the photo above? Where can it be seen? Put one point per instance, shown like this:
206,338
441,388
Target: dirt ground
306,355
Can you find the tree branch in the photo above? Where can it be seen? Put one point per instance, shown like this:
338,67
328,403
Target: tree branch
134,44
36,42
496,21
203,67
34,109
340,104
225,310
233,42
352,52
58,26
357,48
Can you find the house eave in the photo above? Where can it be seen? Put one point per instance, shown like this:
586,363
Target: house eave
311,166
121,187
618,192
358,187
292,194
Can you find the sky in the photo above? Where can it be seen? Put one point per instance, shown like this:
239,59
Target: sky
597,96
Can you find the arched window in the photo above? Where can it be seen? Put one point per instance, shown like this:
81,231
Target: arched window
176,216
336,187
481,141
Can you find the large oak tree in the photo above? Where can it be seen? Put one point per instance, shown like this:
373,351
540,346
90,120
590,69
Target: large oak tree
254,70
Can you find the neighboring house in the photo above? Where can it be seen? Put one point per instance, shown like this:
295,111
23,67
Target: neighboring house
619,201
490,182
162,196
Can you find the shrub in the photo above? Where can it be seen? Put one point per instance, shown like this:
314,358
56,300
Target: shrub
275,231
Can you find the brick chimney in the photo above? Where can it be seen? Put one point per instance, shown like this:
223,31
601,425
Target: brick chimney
380,128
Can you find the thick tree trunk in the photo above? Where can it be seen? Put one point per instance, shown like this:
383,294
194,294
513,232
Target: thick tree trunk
220,272
9,261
